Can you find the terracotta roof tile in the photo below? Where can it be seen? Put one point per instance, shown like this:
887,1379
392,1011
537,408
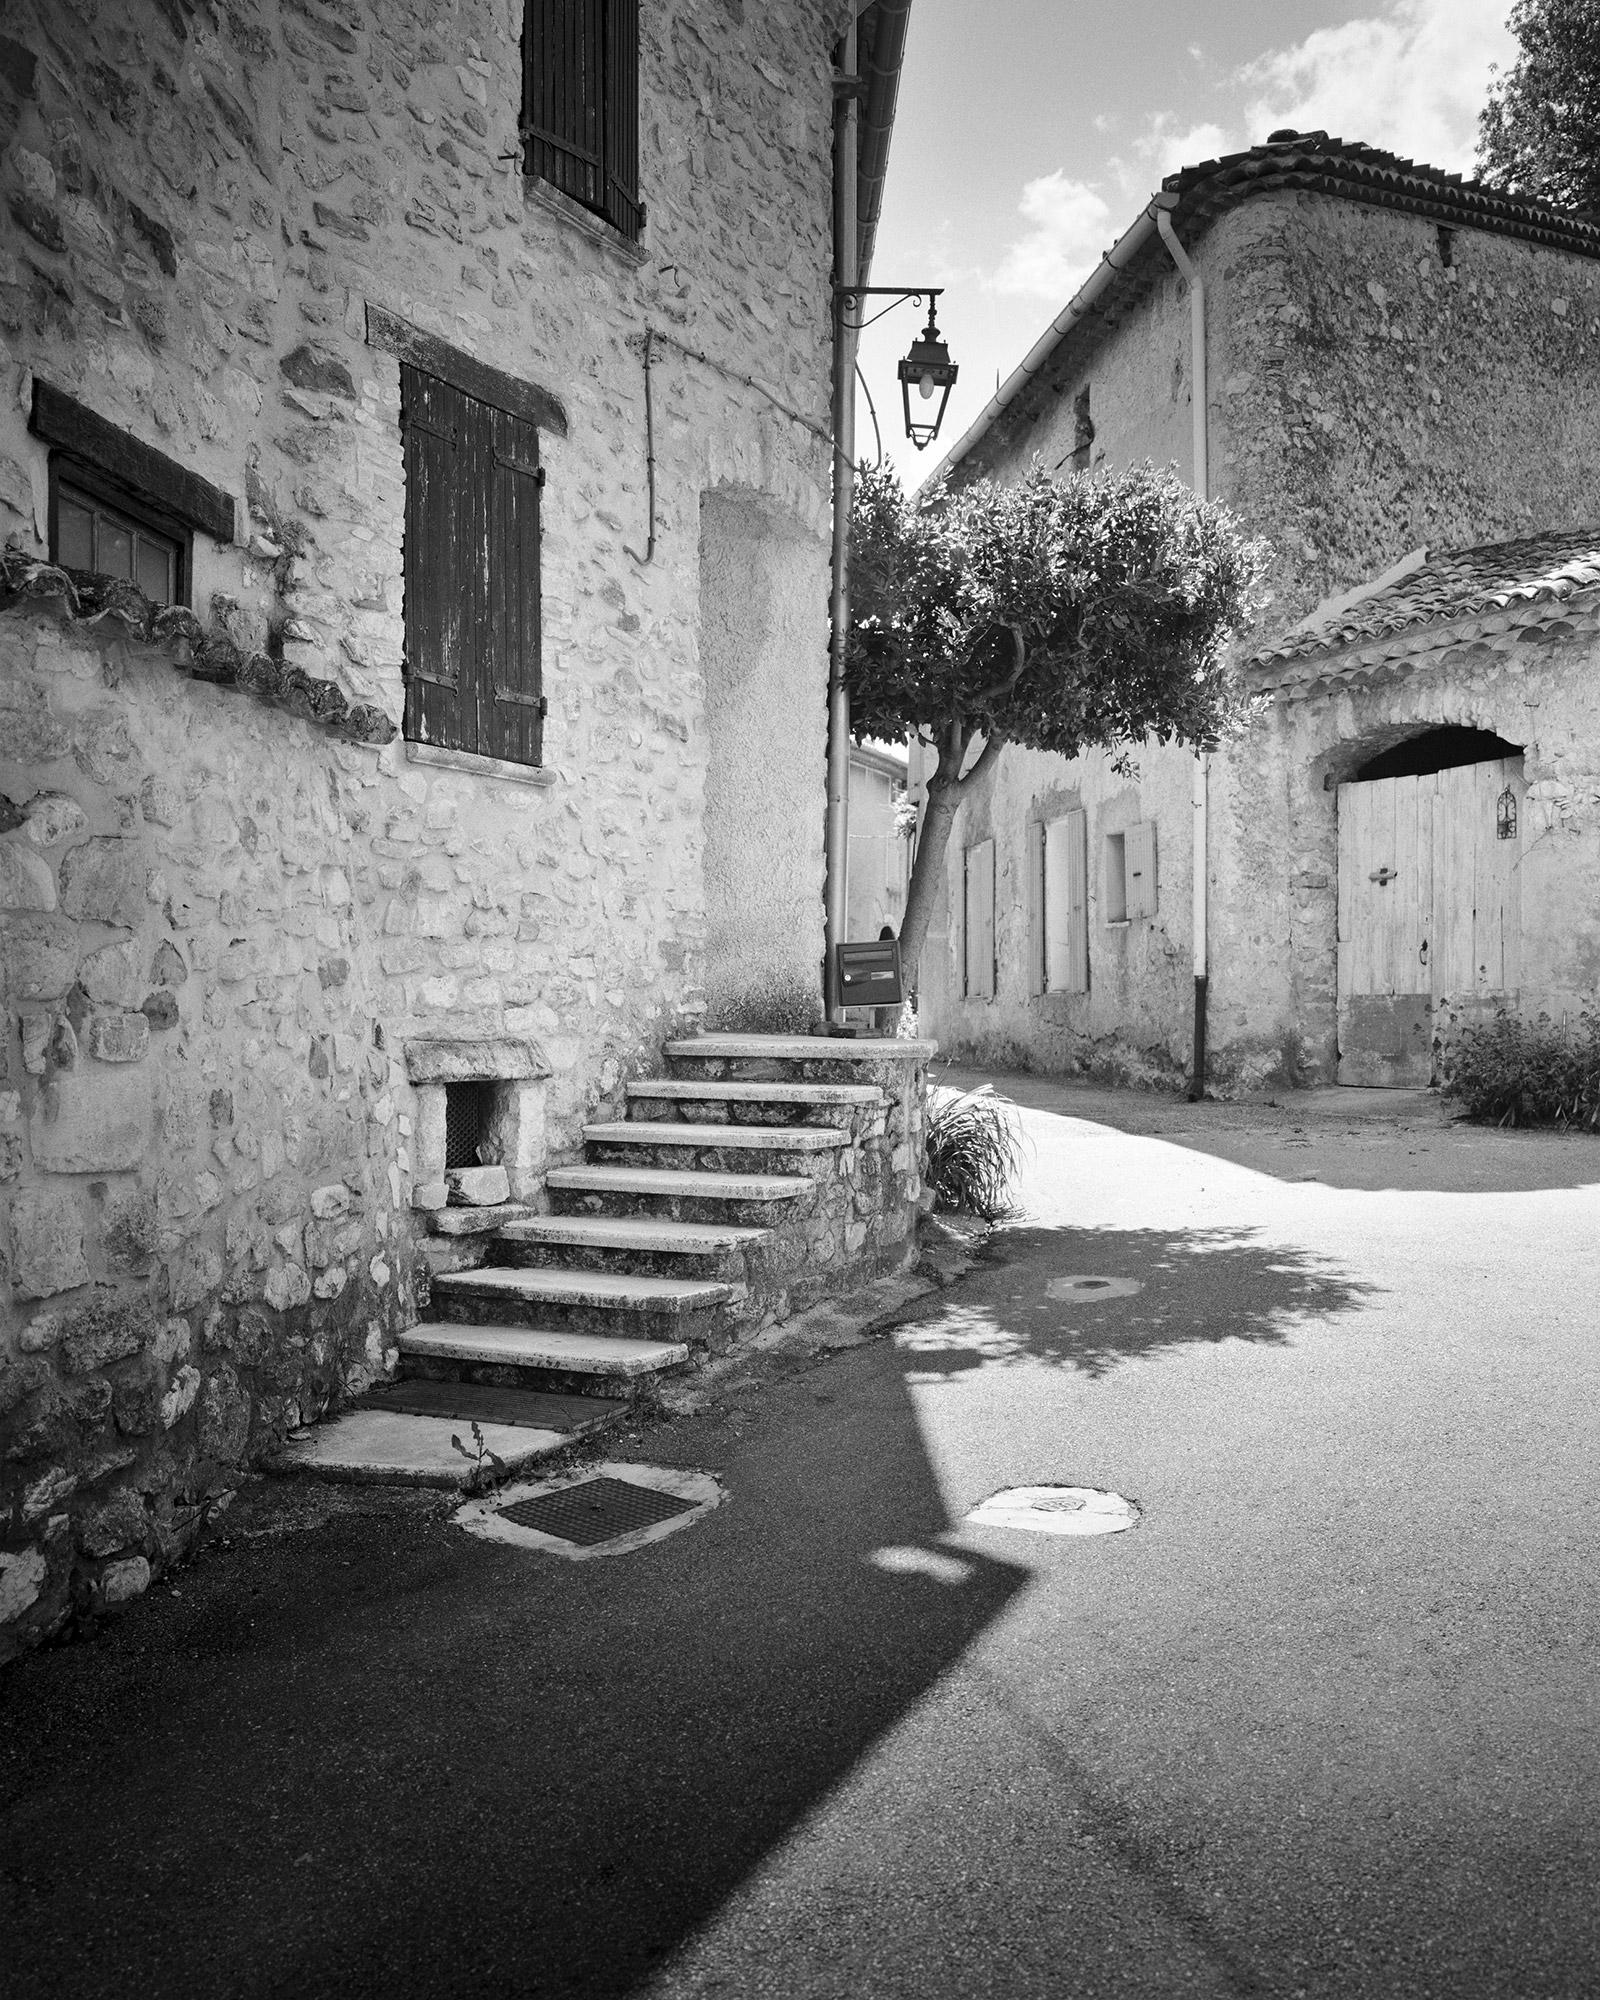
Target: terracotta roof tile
1453,585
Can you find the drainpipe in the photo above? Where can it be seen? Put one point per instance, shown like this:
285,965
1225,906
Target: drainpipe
1201,775
846,143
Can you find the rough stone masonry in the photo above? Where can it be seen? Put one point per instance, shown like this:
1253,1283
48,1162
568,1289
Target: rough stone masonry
230,892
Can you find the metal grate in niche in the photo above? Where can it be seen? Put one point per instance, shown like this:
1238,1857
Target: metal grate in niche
464,1107
596,1510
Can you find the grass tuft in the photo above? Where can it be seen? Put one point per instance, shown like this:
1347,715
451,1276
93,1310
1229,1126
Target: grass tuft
974,1152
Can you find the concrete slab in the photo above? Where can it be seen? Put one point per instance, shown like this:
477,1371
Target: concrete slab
622,1290
385,1447
532,1347
736,1138
679,1181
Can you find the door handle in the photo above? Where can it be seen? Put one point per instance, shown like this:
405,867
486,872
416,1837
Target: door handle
1423,954
1383,876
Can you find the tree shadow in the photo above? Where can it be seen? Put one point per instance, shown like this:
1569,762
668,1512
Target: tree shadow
1196,1287
372,1754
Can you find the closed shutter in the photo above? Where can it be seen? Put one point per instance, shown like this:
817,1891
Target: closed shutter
1140,864
956,904
471,564
1036,925
581,103
980,921
1066,888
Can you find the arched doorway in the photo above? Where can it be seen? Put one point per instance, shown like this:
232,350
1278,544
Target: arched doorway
1430,844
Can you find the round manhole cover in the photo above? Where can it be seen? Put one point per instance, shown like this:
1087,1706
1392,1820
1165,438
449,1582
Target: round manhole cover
1088,1291
1056,1510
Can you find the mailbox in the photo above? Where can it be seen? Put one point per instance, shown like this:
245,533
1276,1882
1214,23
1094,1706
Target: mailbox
869,974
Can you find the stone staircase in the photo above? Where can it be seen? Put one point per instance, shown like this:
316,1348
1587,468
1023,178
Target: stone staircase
760,1174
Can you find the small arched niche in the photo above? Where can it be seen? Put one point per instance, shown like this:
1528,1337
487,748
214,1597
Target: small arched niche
1440,749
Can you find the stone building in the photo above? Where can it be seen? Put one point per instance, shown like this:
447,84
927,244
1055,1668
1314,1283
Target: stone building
439,398
1393,361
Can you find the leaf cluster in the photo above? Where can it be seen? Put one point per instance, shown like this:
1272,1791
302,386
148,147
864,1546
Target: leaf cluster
1539,133
1513,1071
1053,613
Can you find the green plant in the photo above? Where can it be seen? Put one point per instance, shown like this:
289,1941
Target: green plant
1513,1071
973,1151
482,1460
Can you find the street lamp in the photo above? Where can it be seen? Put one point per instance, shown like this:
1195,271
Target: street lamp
927,368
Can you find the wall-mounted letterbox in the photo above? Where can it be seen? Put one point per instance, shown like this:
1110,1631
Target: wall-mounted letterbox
869,974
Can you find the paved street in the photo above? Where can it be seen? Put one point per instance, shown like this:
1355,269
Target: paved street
1325,1723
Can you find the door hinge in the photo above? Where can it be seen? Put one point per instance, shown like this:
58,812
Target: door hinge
521,468
517,699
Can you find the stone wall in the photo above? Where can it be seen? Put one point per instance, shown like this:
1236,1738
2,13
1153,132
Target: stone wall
1365,398
224,918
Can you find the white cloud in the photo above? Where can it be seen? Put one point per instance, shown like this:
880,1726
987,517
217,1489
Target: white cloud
1069,226
1410,78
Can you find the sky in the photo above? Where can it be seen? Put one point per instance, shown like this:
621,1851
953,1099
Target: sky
1030,133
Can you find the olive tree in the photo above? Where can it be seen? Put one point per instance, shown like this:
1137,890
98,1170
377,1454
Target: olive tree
1057,614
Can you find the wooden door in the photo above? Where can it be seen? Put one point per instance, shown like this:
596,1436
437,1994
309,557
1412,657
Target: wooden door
1429,912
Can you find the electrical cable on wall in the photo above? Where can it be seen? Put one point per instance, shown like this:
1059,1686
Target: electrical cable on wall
649,555
872,411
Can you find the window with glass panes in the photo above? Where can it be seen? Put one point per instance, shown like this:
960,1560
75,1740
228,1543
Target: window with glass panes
91,533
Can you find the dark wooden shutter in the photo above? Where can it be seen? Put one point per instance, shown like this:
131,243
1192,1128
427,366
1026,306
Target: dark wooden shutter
581,103
471,573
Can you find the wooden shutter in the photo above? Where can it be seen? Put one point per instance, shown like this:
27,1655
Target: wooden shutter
1066,888
1037,978
1140,857
980,921
471,564
956,905
581,103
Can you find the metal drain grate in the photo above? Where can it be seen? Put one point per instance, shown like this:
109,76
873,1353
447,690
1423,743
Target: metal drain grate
596,1510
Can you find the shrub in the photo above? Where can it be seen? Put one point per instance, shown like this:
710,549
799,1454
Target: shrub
1511,1071
974,1152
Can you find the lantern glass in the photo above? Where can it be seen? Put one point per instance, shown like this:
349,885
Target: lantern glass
929,366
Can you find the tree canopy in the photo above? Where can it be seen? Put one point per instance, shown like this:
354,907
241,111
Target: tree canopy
1053,613
1539,133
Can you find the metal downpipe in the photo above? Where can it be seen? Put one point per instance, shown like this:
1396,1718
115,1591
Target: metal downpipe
836,834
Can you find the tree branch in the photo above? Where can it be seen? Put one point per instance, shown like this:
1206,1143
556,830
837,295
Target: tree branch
992,747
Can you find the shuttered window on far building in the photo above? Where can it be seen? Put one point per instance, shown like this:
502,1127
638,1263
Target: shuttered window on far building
580,104
471,573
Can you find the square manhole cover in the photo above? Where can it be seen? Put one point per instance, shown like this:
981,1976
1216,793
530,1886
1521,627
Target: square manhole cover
595,1510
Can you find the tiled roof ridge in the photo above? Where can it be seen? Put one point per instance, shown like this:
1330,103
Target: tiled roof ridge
1356,171
87,599
1452,586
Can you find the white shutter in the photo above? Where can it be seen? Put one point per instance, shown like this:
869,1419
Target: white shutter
1141,869
1037,971
1066,903
980,921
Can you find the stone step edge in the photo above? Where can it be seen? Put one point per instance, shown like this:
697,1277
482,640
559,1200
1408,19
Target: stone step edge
465,1221
726,1138
530,1347
620,1289
633,1232
679,1181
802,1048
722,1090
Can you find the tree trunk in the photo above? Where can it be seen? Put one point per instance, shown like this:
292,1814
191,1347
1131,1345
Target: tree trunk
946,792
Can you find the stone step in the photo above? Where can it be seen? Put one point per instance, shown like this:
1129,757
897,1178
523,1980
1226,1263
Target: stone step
632,1243
734,1149
740,1102
801,1048
642,1308
574,1363
375,1447
678,1194
475,1221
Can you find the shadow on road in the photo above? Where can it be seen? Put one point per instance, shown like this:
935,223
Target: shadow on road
359,1752
1196,1287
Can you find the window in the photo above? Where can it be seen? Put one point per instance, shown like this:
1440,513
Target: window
89,532
1060,946
580,104
978,962
471,573
118,506
1131,873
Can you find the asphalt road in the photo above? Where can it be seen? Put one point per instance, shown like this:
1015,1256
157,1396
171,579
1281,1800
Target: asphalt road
1324,1723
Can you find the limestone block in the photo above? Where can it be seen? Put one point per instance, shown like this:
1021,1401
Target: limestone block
474,1061
167,967
22,1575
53,817
113,976
331,1202
47,1243
103,879
119,1037
331,1282
10,1135
196,1273
35,1040
120,1581
49,1491
287,1285
160,1009
224,1416
109,1330
25,880
92,1121
185,1387
426,1194
38,956
478,1187
118,1523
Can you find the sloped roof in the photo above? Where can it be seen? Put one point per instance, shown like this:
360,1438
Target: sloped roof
1316,164
1453,585
1305,162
